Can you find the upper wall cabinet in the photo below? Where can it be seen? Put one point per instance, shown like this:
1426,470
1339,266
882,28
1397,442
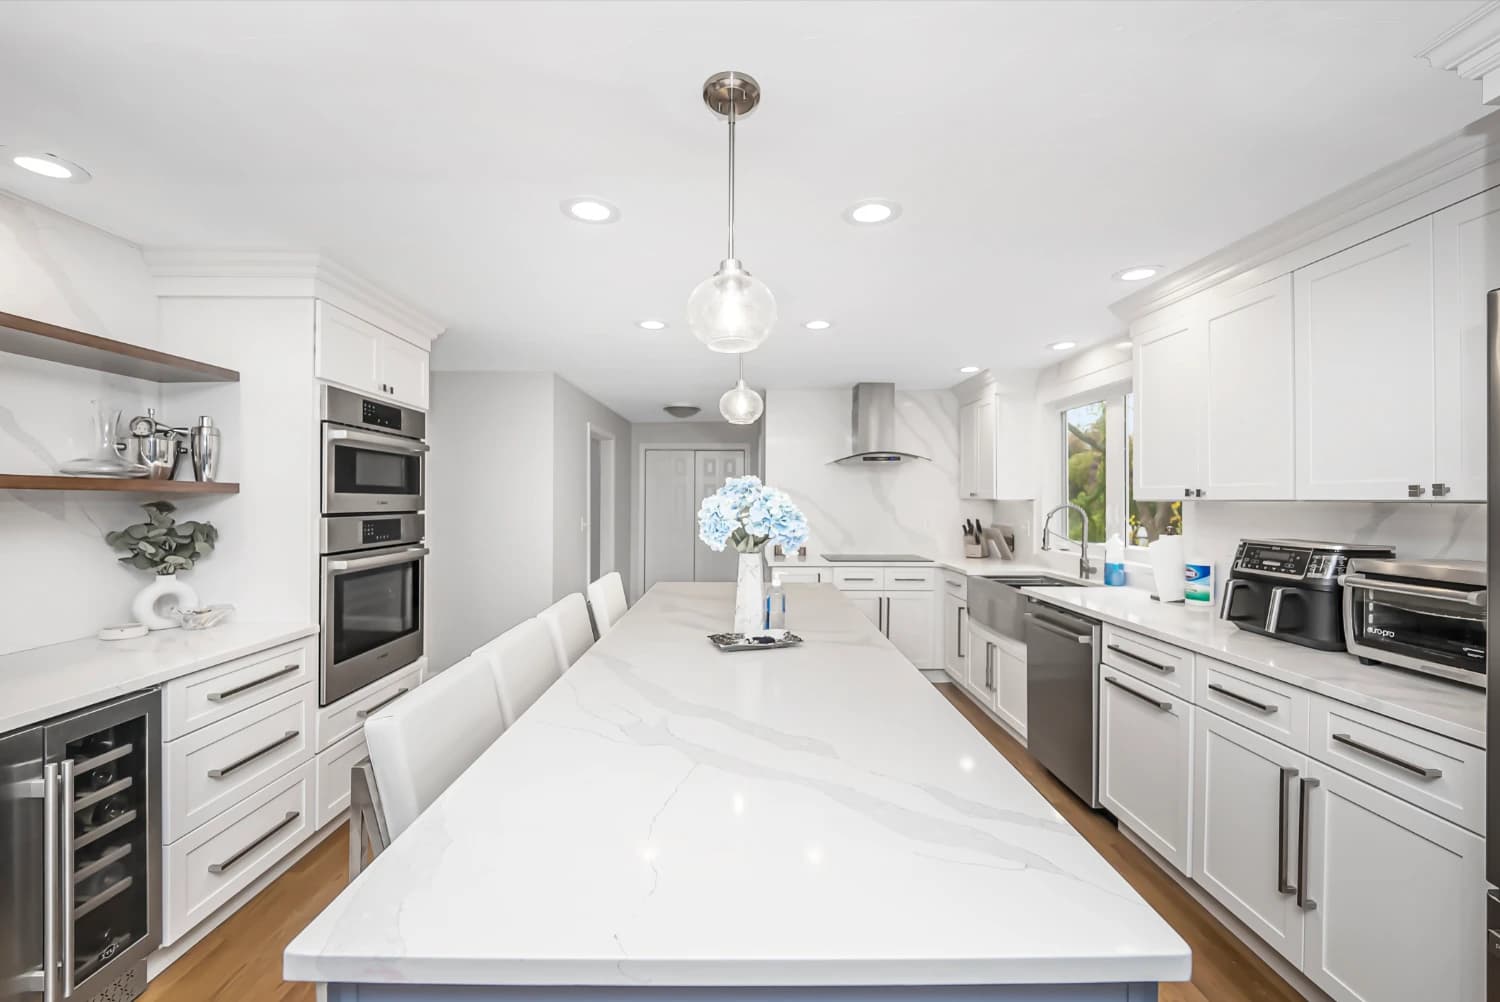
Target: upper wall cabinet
1365,347
363,357
1169,398
1466,266
995,449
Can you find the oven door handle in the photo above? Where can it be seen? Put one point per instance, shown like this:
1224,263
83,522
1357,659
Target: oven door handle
366,563
389,443
1414,590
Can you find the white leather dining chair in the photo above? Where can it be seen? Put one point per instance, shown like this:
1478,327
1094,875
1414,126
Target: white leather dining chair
523,665
607,600
567,623
424,740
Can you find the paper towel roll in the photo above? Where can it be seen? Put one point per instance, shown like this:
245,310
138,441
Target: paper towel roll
1167,567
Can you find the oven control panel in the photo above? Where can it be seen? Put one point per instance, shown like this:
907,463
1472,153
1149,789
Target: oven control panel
379,530
380,415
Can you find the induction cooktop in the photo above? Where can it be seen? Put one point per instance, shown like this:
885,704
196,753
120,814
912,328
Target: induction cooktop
874,558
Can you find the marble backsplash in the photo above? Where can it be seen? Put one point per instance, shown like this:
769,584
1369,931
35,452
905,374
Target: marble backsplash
907,507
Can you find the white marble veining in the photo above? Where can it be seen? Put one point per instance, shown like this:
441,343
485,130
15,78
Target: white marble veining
1443,707
47,681
963,565
669,815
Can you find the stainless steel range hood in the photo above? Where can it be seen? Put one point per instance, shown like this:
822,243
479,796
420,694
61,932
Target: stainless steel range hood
874,427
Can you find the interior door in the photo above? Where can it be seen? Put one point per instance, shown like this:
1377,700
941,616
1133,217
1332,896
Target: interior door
711,469
671,511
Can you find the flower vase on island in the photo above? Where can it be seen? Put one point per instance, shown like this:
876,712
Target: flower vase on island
747,515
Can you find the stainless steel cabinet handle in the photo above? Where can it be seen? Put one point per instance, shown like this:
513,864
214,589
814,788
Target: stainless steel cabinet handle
1187,492
858,579
958,630
217,697
362,714
910,580
1160,704
1041,623
240,763
1440,490
1254,704
1164,669
367,563
1304,801
1415,490
52,843
387,443
887,617
66,855
1283,835
1388,758
217,868
989,666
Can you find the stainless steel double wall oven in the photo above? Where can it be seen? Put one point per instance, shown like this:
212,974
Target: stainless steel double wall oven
371,540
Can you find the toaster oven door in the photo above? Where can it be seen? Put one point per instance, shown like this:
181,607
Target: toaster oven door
1428,628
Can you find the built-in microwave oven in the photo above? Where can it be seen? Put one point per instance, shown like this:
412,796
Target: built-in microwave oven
374,459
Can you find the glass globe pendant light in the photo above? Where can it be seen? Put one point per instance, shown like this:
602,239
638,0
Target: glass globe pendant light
741,404
731,311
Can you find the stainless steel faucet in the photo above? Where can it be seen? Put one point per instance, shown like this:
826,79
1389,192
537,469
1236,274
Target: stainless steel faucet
1084,567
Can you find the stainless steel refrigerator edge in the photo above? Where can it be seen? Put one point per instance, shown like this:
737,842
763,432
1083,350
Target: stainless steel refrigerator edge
1492,717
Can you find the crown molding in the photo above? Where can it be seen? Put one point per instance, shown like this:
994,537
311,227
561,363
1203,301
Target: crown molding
1471,48
1439,175
286,275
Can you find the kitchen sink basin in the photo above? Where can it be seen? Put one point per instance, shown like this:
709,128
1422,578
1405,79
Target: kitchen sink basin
1035,581
996,602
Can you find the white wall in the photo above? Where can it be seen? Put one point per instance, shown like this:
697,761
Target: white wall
912,506
489,507
573,413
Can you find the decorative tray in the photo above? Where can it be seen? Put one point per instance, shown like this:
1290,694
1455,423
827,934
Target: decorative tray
770,640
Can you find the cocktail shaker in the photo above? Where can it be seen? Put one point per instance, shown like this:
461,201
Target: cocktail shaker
203,440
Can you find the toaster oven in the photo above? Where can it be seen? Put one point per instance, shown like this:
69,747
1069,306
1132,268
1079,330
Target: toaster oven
1428,616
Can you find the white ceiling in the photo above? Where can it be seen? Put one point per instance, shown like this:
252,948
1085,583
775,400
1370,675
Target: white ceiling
1036,148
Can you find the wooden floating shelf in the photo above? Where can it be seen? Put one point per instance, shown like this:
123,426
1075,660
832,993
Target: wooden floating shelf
134,485
36,339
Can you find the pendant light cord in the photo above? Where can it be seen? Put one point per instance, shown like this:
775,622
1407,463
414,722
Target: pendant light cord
732,103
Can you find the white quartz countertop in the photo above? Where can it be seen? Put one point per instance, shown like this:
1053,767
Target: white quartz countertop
669,815
44,682
1443,707
961,564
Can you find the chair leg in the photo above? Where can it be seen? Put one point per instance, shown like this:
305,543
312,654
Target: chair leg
356,839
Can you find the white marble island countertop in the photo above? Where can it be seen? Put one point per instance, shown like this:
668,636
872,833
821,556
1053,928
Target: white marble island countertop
666,815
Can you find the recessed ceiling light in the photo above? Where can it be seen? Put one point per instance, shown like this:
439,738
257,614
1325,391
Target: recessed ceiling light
51,165
1063,345
969,370
870,211
817,325
1138,273
1125,345
652,325
590,210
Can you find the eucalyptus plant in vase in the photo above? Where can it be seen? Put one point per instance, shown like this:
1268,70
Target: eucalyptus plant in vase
748,515
164,546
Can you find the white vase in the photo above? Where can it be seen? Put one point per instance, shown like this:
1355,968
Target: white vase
750,595
154,605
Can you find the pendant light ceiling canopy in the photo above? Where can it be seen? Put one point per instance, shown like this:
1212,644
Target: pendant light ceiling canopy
731,311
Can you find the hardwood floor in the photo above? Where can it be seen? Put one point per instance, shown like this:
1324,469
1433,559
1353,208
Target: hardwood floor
241,960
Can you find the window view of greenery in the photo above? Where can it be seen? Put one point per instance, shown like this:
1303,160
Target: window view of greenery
1084,438
1148,519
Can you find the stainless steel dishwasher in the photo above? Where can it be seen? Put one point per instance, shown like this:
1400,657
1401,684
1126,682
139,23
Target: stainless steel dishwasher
1062,658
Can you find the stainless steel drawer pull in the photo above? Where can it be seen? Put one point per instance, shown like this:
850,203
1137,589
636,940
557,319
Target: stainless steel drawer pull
1164,669
1283,836
217,868
242,762
1388,758
1304,805
362,714
1160,704
1231,694
911,580
1040,623
218,697
858,579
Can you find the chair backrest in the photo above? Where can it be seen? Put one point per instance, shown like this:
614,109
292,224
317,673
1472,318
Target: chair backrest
522,664
567,623
424,740
607,599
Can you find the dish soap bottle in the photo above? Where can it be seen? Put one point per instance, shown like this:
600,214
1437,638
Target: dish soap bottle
1114,561
776,605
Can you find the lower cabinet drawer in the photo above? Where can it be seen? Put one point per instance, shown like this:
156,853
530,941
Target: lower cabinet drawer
1275,709
217,766
859,578
1145,762
348,714
798,575
333,775
214,863
908,578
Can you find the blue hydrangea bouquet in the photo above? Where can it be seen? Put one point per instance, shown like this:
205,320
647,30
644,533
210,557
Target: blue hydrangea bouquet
747,515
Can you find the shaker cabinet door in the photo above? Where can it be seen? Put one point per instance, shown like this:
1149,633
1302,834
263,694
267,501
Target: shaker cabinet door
403,371
347,350
911,621
1145,761
1169,368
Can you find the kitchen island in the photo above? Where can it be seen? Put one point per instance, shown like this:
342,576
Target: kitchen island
670,820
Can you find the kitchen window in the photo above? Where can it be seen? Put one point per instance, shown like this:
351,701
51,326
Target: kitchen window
1098,475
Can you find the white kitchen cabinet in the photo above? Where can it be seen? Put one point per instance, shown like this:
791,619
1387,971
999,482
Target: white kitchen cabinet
1010,685
995,446
869,603
1145,762
1398,894
799,575
980,680
1366,402
1244,828
900,601
1247,444
353,353
1170,362
911,623
954,628
976,449
1466,266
